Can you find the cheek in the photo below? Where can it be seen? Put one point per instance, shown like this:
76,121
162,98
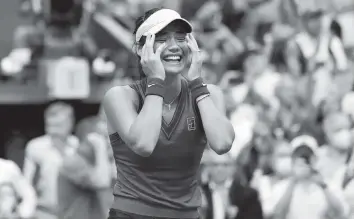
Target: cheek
184,46
156,45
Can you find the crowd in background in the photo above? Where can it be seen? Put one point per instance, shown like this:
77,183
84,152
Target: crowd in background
287,73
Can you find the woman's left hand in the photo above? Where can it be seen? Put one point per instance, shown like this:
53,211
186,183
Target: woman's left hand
195,69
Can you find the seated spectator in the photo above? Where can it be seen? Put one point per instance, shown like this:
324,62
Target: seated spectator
17,196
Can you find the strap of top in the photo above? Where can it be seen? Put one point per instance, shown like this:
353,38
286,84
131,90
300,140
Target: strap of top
139,87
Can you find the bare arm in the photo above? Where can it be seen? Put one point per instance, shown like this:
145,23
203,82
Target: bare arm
218,129
23,188
30,166
336,202
337,49
139,131
282,207
82,173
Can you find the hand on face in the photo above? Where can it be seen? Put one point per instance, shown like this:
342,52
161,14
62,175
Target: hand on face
197,58
318,179
150,60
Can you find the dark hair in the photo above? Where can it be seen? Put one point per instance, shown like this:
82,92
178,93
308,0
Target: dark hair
139,21
336,29
304,152
263,29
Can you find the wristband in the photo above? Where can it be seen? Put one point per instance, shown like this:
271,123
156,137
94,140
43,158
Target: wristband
155,86
198,88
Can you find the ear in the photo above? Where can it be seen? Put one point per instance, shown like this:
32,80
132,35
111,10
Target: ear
137,49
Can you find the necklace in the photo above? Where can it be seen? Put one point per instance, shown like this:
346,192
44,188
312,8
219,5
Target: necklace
169,104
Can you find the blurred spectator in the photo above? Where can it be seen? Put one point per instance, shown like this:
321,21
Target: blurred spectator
219,172
316,52
85,179
57,36
307,194
244,199
335,162
88,175
334,156
17,196
44,156
220,44
271,186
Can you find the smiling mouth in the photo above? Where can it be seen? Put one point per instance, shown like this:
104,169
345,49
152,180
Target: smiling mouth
173,59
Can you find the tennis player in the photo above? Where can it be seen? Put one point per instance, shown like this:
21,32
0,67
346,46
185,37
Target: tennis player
159,126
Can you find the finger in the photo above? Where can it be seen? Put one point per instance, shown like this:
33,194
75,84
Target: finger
160,49
150,44
192,43
143,54
192,38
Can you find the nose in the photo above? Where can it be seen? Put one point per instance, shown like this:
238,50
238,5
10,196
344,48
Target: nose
172,45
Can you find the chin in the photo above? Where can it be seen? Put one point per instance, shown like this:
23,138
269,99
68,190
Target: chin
174,69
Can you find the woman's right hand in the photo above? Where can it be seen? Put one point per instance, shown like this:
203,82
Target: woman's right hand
150,60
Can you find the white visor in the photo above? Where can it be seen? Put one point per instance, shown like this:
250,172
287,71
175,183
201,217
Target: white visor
159,20
305,140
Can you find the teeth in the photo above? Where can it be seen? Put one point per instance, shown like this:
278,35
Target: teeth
173,58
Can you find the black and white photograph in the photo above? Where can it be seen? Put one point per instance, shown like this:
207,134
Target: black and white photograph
177,109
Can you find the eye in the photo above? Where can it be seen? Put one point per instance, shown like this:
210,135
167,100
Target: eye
181,38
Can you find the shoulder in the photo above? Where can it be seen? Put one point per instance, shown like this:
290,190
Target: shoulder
117,93
10,167
36,145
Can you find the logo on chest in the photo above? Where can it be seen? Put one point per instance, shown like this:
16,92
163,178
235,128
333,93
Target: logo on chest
191,123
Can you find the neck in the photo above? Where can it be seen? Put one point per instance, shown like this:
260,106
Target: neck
173,87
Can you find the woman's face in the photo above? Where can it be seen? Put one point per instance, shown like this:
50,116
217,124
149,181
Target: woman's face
175,57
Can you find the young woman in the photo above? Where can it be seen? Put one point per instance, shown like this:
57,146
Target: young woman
159,126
